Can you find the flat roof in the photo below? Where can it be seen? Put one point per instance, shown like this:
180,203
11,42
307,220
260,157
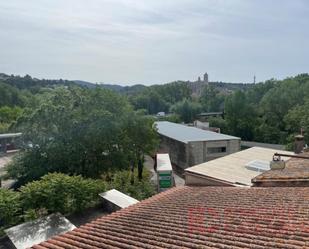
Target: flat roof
209,113
200,217
263,145
164,162
10,135
37,231
187,134
232,168
118,198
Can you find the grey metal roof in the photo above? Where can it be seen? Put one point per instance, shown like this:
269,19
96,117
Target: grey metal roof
187,134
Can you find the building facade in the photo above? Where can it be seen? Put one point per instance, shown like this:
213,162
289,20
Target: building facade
188,146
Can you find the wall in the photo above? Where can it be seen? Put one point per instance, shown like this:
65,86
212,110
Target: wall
198,151
276,183
232,146
186,155
192,179
177,151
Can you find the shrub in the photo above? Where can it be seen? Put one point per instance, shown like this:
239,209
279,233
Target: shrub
58,192
9,208
139,190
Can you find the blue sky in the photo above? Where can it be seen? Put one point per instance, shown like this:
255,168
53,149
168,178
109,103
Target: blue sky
154,41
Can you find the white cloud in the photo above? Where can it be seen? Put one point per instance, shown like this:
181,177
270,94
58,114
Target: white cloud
153,41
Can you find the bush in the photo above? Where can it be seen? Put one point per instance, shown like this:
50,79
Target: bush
60,193
139,189
9,208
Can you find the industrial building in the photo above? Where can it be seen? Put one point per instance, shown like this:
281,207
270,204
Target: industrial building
188,146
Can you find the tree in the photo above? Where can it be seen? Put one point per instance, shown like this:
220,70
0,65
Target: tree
187,110
211,99
298,118
80,131
137,130
11,96
240,116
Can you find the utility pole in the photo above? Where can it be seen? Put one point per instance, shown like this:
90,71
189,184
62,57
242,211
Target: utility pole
254,79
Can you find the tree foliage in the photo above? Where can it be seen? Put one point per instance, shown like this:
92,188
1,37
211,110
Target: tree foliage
159,98
187,110
239,116
10,208
211,99
139,189
269,112
80,131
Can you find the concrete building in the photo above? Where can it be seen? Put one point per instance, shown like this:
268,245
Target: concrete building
236,169
188,146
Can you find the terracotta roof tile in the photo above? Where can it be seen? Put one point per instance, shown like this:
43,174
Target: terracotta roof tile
296,170
200,217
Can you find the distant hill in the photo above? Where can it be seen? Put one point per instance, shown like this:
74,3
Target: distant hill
114,87
33,84
29,83
86,84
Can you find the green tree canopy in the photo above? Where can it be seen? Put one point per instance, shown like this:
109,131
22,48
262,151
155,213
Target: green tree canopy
80,131
187,110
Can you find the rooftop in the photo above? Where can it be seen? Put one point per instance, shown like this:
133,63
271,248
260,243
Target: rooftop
32,232
163,162
210,113
10,135
296,170
264,145
200,217
187,134
118,198
232,168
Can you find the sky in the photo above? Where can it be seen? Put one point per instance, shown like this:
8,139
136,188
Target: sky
148,42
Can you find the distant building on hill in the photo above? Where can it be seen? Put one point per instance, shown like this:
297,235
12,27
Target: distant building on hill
198,86
206,78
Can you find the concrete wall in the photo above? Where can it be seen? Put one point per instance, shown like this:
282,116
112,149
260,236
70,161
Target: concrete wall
199,151
186,155
177,151
198,180
231,146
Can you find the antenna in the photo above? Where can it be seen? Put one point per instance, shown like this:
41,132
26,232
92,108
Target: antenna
254,79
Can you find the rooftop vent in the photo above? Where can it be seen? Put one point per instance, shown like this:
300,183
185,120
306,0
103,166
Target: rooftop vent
258,165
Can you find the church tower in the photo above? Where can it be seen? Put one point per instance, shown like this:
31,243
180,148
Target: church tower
206,78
